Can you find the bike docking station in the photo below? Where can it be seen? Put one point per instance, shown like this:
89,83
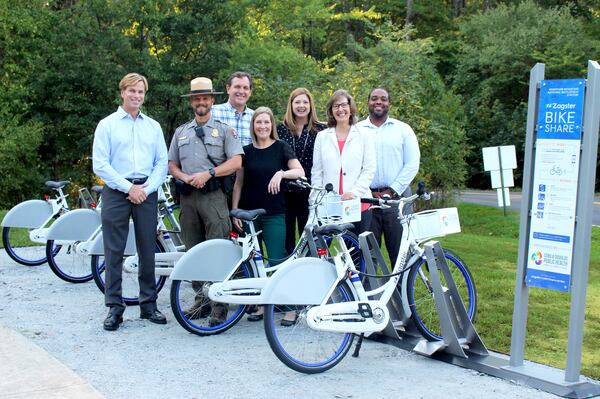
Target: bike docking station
554,244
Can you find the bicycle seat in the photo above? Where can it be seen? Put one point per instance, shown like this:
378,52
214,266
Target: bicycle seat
97,189
333,229
57,184
247,215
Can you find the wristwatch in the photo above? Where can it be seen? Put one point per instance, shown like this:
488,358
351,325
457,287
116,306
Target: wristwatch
212,172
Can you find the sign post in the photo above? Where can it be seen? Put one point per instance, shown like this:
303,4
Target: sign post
555,227
500,161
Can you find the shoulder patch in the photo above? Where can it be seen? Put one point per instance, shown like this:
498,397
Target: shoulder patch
233,132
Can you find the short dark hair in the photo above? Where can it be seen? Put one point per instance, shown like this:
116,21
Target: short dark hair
239,75
331,122
380,88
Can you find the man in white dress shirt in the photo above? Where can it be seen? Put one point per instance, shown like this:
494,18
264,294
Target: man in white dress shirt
398,158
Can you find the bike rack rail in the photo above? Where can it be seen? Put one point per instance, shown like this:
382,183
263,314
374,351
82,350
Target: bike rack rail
462,346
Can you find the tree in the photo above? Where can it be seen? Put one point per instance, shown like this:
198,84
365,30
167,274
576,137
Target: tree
492,73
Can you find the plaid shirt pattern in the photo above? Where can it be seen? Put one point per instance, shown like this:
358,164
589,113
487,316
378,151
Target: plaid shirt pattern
240,121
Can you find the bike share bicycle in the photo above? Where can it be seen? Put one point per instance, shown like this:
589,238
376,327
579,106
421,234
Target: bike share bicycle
331,301
25,226
228,261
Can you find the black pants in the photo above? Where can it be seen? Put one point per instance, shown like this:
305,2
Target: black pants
296,211
116,210
386,222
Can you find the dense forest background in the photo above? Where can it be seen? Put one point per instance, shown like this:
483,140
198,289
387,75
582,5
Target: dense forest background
457,70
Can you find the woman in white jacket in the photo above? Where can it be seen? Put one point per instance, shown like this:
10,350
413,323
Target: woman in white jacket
344,155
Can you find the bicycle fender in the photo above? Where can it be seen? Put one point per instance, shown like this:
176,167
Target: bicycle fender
97,245
211,260
303,281
30,214
77,225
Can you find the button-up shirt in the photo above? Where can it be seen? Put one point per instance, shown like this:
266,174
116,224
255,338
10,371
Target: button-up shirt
240,121
127,148
398,154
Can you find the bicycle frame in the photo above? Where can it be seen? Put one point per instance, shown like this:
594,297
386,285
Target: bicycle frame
364,315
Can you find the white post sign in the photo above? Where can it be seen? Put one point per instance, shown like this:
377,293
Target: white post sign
555,179
500,161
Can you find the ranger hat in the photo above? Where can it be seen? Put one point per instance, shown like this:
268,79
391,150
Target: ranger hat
201,86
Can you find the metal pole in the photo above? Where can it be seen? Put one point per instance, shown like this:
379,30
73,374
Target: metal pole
519,323
583,221
501,180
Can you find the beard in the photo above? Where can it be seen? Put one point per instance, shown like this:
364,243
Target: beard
378,114
201,110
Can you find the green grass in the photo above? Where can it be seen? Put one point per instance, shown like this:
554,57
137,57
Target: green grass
488,244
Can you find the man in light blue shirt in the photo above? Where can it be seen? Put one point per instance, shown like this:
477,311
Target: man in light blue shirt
398,158
130,155
235,112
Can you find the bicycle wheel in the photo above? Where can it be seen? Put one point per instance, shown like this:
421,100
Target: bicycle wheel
192,307
67,263
21,249
301,348
129,285
422,302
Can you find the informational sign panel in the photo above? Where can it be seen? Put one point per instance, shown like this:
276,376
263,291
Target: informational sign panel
560,112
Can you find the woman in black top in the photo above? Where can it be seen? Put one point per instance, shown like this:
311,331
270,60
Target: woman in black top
299,129
267,161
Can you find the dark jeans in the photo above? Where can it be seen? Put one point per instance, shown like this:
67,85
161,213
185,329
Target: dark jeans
296,211
116,210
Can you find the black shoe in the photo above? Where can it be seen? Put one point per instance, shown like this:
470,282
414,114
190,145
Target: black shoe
288,323
213,322
112,321
154,316
255,317
195,313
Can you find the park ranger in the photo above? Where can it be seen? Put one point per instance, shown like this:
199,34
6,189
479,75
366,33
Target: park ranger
203,154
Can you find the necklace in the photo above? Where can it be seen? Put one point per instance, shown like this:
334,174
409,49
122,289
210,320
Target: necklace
300,157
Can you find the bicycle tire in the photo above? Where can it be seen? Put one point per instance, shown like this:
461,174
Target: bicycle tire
28,254
66,263
198,321
301,348
422,303
129,285
351,241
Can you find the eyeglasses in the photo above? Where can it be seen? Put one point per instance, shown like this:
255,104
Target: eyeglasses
340,105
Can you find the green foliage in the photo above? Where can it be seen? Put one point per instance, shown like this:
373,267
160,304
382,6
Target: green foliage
492,73
19,160
419,98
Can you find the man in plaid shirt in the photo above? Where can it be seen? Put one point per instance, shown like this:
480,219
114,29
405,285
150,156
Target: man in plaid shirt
234,112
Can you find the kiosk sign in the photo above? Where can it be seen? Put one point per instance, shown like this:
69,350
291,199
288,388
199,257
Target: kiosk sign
556,173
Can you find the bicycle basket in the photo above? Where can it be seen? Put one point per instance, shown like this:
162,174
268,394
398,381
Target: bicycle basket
434,223
332,209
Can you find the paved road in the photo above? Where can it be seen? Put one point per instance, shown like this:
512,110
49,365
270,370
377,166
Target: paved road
491,198
143,360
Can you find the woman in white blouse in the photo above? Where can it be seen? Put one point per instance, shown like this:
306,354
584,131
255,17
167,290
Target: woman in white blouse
344,155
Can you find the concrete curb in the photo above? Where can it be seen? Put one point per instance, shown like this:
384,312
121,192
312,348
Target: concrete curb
28,371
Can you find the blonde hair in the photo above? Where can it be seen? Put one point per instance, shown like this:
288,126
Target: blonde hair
131,79
260,111
289,119
331,122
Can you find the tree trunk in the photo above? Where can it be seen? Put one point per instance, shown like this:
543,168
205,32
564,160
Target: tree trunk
487,5
410,14
457,8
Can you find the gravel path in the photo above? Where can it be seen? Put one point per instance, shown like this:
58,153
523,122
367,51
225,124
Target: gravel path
146,360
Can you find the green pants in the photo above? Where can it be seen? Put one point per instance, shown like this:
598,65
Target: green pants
273,236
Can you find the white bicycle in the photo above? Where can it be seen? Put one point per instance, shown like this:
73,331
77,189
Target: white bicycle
332,304
233,271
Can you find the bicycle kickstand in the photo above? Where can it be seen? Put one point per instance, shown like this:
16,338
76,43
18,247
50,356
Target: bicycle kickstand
358,345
